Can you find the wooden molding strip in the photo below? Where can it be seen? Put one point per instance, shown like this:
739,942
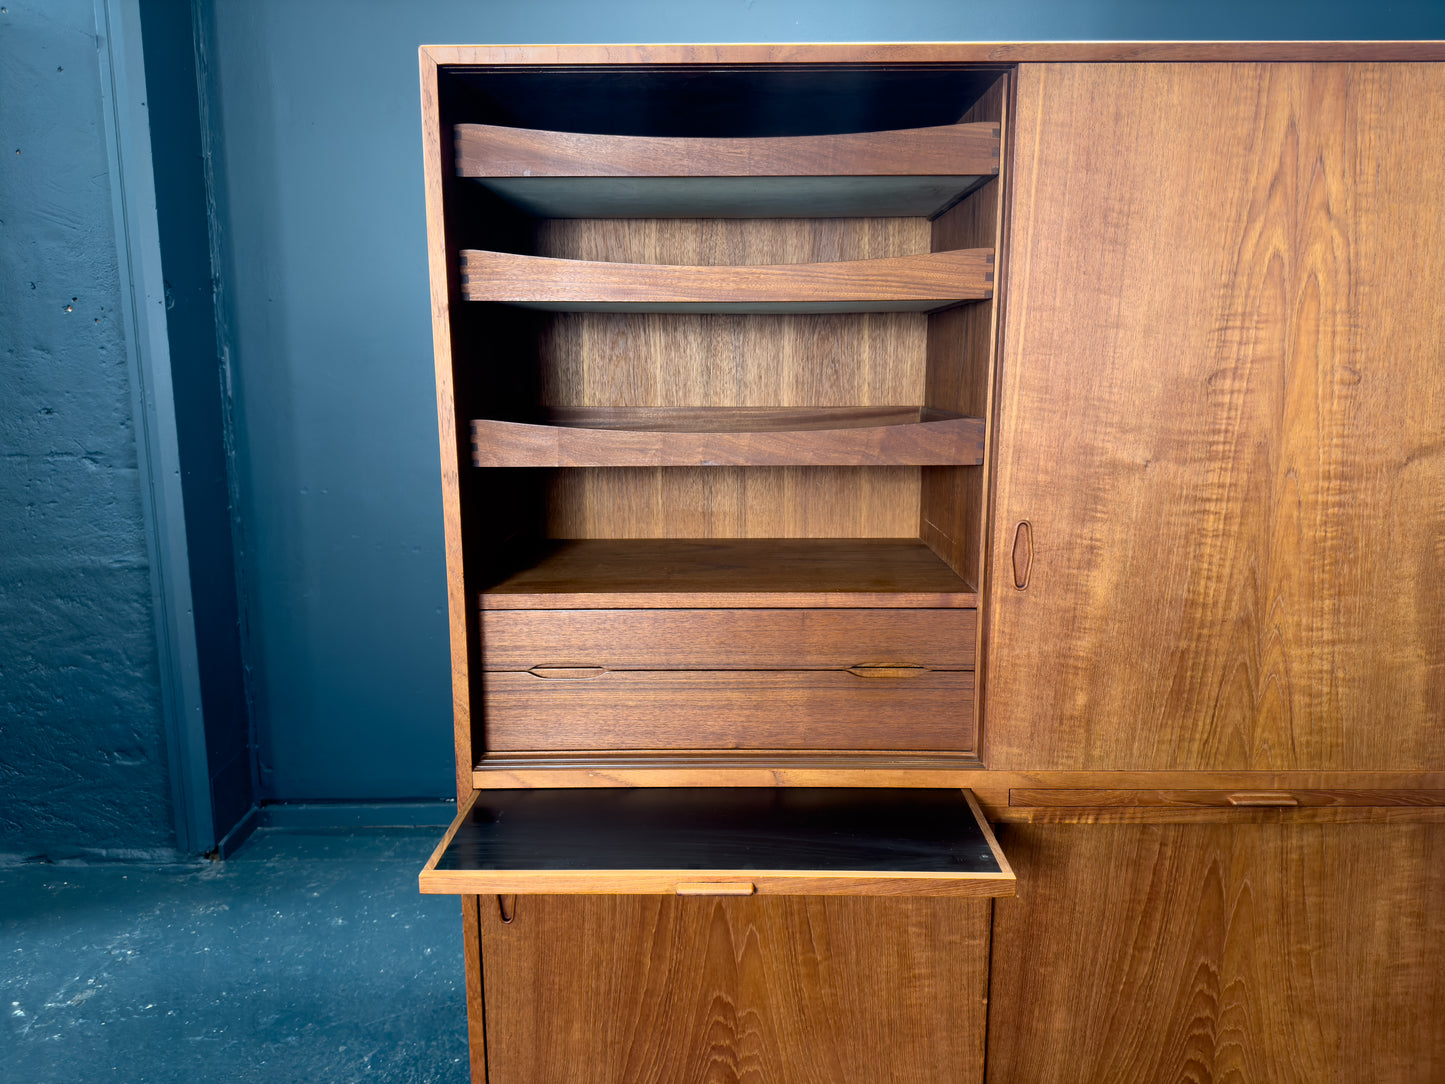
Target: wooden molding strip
970,52
655,437
920,282
486,150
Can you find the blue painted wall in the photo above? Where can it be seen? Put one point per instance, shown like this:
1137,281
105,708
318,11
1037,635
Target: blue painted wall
82,745
321,220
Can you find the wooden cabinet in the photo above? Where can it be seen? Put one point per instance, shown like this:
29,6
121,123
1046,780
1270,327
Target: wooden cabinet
1057,424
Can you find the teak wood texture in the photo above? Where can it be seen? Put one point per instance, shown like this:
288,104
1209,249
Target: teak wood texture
582,709
1221,480
653,990
822,573
730,639
485,150
898,283
1134,954
723,436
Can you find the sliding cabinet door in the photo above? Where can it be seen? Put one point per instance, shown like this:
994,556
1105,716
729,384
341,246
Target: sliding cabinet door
1219,534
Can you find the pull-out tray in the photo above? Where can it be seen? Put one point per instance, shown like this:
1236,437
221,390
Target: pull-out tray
870,841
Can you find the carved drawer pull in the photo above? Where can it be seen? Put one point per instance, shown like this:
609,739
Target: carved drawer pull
1263,798
1023,553
568,673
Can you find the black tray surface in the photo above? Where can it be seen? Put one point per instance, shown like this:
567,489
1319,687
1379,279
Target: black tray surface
722,828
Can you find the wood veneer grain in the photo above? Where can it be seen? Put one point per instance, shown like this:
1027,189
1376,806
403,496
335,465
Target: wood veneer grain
1230,460
485,150
747,573
1203,952
808,990
728,709
797,639
898,283
724,436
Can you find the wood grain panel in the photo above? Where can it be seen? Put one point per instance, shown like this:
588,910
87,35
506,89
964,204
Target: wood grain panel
588,574
926,438
733,502
1219,953
728,639
485,150
809,990
728,709
892,284
1221,415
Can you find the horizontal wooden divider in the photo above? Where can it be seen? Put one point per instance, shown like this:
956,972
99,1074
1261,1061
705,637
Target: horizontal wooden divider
488,150
726,436
917,283
728,573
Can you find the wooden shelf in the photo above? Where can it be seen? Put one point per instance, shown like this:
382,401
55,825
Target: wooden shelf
918,283
667,573
917,172
731,436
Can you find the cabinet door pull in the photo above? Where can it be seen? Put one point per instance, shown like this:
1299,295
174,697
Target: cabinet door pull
715,888
1262,798
507,907
1023,553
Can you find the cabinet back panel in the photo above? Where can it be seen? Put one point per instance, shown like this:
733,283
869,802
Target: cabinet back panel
608,359
734,502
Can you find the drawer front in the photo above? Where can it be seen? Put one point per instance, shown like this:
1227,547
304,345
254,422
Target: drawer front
1289,798
642,709
801,639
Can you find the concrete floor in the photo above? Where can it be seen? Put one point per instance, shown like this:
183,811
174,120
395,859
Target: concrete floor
306,956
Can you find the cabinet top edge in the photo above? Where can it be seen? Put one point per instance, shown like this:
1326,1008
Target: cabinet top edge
979,52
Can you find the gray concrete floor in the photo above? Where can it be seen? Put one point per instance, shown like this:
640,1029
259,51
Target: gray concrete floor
306,956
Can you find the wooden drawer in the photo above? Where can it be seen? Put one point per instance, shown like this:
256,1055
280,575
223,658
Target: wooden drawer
720,709
719,639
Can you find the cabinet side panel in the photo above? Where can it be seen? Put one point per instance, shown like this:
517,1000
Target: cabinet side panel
1306,953
960,367
802,989
1220,416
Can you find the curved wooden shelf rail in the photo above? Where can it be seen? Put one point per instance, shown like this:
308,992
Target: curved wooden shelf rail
909,172
919,283
486,150
731,437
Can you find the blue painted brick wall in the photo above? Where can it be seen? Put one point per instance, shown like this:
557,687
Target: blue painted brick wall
82,747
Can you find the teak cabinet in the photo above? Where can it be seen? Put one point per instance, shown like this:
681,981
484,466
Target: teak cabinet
846,446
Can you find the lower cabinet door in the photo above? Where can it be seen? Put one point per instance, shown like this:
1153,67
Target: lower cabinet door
1220,952
726,990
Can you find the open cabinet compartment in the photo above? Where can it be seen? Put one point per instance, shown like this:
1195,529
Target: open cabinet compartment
719,341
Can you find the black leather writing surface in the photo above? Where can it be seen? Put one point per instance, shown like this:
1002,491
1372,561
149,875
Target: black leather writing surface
727,828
